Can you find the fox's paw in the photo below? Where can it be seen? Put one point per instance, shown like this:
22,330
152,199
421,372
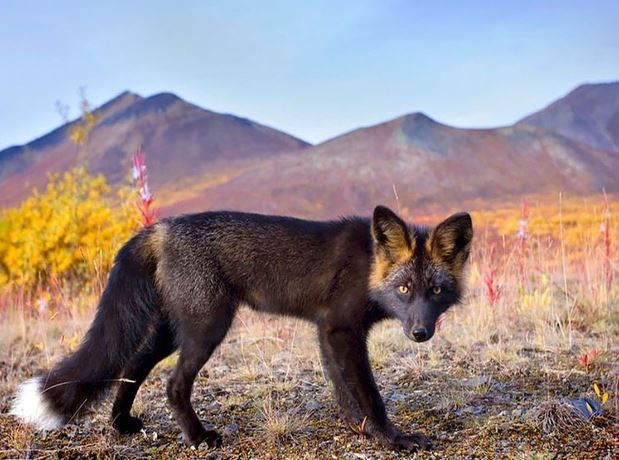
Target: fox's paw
391,437
211,437
412,442
127,424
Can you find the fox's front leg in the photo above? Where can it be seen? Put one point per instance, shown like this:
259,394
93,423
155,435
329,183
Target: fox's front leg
345,352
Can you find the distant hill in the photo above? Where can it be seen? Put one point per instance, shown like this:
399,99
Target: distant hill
185,144
203,160
427,161
588,114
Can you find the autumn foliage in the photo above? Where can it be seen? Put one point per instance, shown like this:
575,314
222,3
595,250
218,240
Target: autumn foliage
60,232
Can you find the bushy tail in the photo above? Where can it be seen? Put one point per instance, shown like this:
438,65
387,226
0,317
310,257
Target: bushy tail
125,311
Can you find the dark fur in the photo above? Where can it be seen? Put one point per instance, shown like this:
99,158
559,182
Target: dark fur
179,283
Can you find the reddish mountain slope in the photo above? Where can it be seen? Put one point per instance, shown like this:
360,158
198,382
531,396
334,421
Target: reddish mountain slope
200,159
427,162
185,144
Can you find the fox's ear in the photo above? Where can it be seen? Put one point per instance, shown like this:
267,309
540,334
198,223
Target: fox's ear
390,235
451,239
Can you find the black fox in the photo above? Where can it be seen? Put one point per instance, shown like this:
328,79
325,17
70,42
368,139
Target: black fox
179,283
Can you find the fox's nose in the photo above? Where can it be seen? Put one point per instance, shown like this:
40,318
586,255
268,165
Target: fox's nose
420,334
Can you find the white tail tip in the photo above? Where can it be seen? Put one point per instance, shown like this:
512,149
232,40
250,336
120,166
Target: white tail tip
31,406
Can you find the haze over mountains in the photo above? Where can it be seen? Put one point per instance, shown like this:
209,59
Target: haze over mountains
200,159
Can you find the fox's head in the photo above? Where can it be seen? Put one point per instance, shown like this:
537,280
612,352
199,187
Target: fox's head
417,272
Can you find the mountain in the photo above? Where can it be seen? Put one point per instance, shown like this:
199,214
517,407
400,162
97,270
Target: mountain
428,162
185,144
204,160
588,114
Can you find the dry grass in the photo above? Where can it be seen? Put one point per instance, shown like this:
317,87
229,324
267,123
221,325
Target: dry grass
492,380
557,415
277,422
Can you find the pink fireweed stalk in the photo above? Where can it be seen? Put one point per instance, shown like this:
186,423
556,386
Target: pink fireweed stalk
492,291
145,197
605,231
439,322
589,358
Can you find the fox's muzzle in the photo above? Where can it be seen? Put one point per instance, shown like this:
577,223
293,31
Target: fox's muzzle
419,333
421,322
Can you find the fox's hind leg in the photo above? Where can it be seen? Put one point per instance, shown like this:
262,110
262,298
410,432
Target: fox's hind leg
200,335
157,347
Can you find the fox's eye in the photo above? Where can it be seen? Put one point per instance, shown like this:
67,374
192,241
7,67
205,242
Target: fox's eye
436,290
403,289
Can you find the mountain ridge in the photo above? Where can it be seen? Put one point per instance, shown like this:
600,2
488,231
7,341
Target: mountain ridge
589,113
204,159
182,140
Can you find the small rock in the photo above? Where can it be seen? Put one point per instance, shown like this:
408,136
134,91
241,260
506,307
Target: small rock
477,410
517,413
213,407
230,429
503,413
474,410
476,381
207,425
353,455
312,405
396,396
223,369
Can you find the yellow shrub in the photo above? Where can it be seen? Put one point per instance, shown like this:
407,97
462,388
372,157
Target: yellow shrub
63,230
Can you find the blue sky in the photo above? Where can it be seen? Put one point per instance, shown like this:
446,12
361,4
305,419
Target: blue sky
314,69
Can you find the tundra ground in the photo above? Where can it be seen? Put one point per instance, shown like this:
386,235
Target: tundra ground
265,391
